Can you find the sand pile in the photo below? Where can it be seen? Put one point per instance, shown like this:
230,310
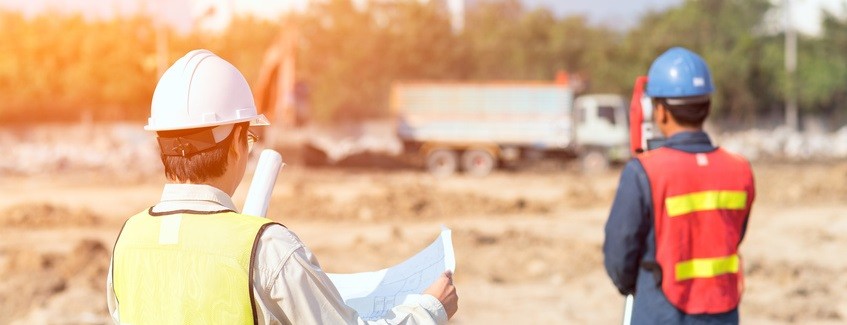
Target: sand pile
397,203
63,148
43,286
526,240
782,143
800,183
518,256
109,148
44,215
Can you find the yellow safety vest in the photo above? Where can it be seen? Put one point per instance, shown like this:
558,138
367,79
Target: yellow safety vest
186,268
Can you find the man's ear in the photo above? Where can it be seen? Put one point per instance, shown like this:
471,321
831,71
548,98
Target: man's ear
236,141
662,114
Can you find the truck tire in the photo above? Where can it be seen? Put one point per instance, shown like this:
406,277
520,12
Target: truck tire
594,161
477,162
441,162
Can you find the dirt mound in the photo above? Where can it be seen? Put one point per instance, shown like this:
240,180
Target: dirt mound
43,215
420,202
34,278
87,263
521,255
800,183
499,257
531,234
398,202
811,289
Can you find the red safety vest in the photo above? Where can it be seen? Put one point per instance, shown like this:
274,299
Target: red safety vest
700,204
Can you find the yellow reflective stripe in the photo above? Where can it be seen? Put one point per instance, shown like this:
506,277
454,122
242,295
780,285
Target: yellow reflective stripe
704,201
706,267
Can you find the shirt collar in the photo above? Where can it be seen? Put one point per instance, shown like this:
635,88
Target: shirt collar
690,141
196,193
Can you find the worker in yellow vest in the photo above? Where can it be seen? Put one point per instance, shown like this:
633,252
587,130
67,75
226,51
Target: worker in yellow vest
191,258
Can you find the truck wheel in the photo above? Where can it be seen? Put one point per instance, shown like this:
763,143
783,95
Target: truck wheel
441,162
477,162
594,161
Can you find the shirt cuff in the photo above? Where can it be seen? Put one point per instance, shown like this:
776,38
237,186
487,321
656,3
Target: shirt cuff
434,307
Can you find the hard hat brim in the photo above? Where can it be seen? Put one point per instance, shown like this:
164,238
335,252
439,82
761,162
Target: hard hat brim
258,120
687,100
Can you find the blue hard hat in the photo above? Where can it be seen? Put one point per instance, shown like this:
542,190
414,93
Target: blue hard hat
679,73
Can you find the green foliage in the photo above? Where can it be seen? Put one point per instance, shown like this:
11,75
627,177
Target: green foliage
822,72
350,58
243,45
65,67
725,33
339,56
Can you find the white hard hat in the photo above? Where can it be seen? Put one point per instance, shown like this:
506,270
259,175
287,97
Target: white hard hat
202,90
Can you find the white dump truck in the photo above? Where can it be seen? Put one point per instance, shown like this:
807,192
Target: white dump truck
474,127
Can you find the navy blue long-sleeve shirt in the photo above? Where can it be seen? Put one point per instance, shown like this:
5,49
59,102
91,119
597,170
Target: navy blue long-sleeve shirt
630,240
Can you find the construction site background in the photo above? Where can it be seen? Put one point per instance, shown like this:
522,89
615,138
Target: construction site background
535,232
75,162
68,68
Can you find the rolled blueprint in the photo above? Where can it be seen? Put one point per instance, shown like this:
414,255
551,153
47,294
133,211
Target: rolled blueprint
259,194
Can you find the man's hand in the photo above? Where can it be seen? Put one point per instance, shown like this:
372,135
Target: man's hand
444,290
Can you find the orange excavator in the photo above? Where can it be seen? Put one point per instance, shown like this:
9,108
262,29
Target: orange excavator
275,87
280,97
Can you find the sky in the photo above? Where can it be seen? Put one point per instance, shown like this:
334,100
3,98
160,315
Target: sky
806,13
618,14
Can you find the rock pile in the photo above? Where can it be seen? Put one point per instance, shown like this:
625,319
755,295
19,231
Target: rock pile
118,148
123,148
785,144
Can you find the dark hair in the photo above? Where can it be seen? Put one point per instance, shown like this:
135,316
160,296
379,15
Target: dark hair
201,166
686,114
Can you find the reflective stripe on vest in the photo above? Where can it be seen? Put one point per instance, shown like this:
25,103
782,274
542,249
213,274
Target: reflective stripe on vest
706,267
700,205
705,201
186,268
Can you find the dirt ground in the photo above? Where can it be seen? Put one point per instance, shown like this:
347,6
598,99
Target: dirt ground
528,241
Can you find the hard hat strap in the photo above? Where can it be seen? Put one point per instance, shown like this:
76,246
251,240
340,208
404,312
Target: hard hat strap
677,101
188,144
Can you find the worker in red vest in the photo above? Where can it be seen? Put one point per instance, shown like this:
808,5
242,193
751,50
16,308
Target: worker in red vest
681,210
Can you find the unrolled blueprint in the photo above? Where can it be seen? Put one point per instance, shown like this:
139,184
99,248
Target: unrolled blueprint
374,293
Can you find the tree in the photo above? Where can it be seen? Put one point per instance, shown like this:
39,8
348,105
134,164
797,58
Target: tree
822,69
64,67
729,38
350,57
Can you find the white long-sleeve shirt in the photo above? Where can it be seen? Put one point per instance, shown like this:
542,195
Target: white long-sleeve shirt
289,285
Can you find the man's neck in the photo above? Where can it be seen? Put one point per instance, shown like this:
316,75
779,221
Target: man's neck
676,129
216,183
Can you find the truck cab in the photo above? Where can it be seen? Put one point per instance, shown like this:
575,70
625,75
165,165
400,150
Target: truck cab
602,129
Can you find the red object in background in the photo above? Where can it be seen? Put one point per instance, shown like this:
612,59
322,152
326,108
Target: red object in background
636,116
562,78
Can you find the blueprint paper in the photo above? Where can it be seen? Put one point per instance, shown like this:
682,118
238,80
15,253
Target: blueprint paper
374,293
